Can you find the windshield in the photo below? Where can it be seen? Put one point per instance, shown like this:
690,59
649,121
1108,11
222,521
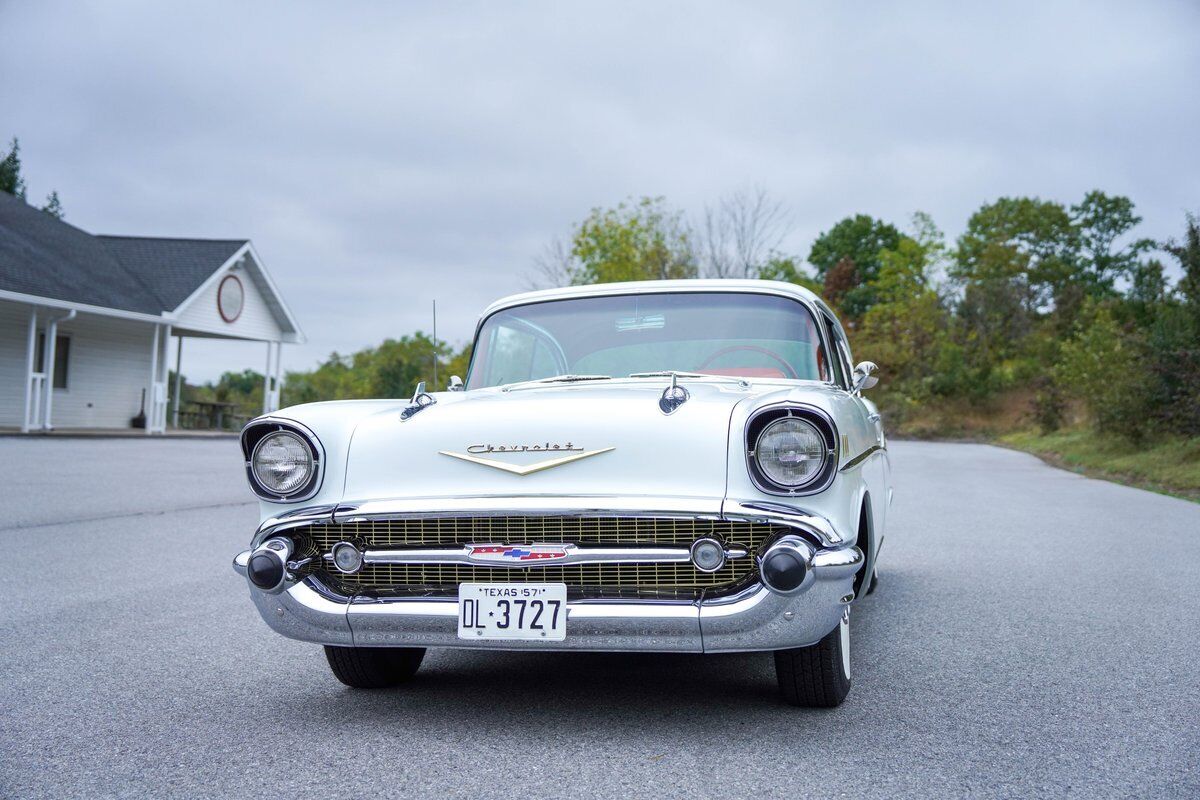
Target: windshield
734,334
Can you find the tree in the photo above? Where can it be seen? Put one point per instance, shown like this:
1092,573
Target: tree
859,238
238,383
906,327
638,241
1103,366
12,182
1022,241
1173,351
391,370
554,265
1187,253
1101,221
788,269
10,171
852,247
741,233
53,207
840,282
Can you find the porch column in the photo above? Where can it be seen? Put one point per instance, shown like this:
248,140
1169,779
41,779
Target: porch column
278,374
267,380
160,389
178,379
48,367
31,398
150,413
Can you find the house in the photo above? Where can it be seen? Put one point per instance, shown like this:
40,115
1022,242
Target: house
86,321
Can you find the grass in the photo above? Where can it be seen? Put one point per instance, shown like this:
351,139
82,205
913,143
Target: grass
964,420
1169,465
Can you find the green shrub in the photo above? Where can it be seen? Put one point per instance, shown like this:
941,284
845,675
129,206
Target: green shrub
1104,367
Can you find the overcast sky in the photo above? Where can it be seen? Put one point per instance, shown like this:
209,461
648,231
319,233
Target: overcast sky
383,155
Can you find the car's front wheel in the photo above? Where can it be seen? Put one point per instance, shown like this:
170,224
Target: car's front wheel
817,676
374,667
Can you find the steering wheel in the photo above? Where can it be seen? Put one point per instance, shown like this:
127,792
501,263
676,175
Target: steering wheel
788,371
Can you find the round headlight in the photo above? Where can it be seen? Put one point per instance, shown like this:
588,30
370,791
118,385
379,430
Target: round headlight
282,463
791,452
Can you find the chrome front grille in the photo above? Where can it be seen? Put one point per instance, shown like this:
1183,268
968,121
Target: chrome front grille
592,580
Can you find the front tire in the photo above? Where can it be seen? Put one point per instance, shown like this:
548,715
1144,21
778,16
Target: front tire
374,667
817,676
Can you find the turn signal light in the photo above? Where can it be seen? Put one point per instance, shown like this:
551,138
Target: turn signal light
267,566
786,567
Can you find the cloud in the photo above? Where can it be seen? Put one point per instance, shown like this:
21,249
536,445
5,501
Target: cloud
383,155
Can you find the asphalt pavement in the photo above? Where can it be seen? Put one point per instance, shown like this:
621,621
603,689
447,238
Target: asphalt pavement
1035,633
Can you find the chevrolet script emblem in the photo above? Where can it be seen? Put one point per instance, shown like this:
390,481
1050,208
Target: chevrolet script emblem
527,469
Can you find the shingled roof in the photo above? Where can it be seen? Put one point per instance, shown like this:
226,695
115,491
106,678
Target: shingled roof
171,268
46,257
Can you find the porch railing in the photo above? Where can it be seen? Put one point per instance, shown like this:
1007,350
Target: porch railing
33,413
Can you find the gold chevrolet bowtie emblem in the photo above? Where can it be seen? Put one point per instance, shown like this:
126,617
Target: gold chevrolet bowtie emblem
526,469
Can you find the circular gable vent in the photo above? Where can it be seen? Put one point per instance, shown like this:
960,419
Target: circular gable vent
230,298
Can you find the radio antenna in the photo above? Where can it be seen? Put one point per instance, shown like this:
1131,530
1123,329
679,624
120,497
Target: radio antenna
435,346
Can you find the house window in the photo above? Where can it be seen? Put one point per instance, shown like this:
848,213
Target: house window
62,357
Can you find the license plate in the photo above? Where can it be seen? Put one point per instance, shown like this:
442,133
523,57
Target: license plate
531,611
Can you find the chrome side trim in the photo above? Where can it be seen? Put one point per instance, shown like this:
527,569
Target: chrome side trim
574,555
782,514
530,506
861,457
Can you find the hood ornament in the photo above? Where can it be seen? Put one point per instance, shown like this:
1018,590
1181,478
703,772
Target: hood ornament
524,469
421,400
673,396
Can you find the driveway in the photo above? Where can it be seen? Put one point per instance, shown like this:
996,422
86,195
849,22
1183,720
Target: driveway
1034,633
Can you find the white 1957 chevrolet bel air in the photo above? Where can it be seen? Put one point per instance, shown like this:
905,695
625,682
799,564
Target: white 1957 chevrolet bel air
683,466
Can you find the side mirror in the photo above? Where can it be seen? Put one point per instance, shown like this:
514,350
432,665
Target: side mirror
456,384
863,379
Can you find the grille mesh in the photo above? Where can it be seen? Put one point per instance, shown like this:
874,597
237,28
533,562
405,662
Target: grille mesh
673,579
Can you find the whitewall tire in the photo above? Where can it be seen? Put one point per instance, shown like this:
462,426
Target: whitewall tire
817,676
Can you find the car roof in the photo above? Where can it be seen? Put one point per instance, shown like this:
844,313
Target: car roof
745,286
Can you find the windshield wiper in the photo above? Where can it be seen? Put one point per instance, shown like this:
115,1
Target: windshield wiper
667,373
560,379
573,378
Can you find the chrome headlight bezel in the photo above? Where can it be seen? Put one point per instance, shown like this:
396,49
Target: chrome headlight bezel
763,418
253,435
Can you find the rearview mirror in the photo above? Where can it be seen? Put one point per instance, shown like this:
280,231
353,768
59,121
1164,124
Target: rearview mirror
863,379
456,384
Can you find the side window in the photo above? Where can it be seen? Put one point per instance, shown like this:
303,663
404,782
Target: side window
847,362
837,360
62,358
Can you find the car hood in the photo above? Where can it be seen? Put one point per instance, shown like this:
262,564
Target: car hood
549,440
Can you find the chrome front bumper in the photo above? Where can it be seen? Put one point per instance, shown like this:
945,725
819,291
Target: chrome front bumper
755,619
